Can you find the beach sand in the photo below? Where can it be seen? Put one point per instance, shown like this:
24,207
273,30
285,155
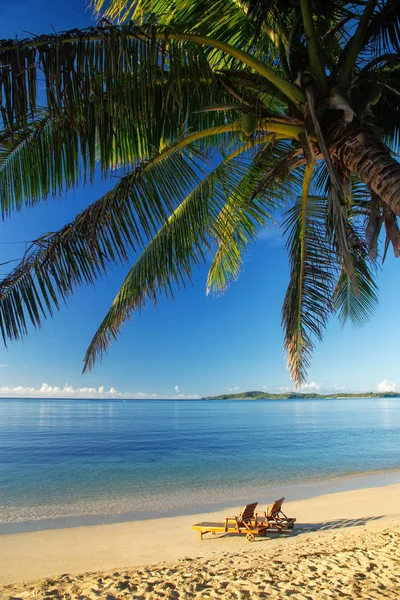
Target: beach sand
346,545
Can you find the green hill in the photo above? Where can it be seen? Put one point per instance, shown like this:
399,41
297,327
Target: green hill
287,396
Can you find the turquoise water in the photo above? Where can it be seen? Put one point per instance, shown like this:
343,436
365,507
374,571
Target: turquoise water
66,458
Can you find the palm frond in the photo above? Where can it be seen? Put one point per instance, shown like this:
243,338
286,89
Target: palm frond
125,218
387,109
253,90
110,107
52,155
355,297
307,303
352,50
103,234
340,227
179,245
356,307
231,21
121,68
106,78
25,173
250,209
373,227
161,98
392,231
383,32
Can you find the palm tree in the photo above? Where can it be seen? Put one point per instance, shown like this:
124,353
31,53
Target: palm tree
219,117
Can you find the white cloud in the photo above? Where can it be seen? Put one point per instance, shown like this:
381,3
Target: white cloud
3,366
176,388
337,388
386,386
234,389
310,386
304,387
68,391
180,397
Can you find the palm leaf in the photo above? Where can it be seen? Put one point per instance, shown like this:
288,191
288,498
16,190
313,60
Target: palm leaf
107,78
392,231
307,303
356,302
383,31
250,210
103,234
387,110
340,227
119,67
99,121
349,306
131,96
226,20
178,246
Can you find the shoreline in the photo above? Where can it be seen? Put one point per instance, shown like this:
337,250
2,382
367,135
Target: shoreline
264,494
53,553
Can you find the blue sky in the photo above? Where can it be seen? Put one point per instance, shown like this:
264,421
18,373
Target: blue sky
195,345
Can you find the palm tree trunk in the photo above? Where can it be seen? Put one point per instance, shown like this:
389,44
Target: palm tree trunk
361,152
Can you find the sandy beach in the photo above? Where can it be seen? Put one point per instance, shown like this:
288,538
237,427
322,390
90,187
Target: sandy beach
344,546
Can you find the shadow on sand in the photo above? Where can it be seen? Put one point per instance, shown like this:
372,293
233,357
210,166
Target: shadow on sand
300,528
336,524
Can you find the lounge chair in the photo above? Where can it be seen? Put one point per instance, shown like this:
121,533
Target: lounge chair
245,524
275,518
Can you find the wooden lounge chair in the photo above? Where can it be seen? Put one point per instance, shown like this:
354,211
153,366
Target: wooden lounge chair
275,518
245,524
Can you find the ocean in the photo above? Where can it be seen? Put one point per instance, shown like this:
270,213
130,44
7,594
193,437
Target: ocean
72,462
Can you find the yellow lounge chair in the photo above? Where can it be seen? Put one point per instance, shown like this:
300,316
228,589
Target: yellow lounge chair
275,518
245,524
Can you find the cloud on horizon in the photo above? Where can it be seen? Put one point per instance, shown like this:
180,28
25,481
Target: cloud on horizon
337,388
386,386
310,386
304,387
68,391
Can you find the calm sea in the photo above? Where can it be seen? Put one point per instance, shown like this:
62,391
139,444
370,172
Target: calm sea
68,461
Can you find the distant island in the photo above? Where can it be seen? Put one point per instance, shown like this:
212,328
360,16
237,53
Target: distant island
289,395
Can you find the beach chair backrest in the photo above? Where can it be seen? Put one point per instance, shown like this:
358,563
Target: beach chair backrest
247,513
276,507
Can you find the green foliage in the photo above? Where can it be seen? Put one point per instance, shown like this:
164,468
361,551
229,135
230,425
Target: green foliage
313,267
227,21
299,395
179,245
157,95
356,307
101,235
250,209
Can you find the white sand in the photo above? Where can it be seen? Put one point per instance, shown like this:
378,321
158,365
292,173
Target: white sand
345,545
